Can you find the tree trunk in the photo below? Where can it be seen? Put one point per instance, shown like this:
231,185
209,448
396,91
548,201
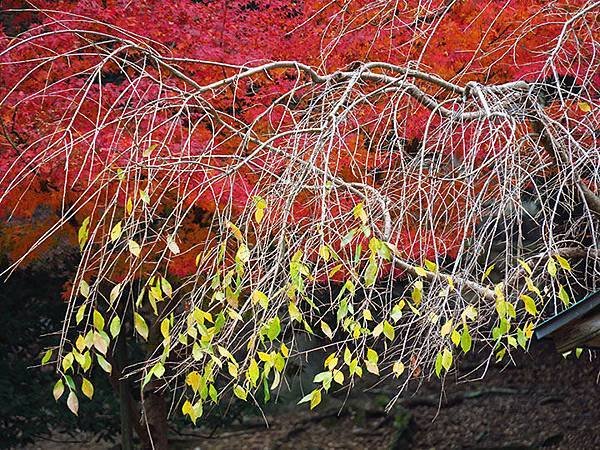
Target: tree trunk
125,400
155,419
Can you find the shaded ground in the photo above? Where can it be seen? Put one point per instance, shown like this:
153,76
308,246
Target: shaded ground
543,402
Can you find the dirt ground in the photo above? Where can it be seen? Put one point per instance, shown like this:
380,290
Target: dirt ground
544,401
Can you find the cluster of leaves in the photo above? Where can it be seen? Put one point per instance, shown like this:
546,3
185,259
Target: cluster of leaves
224,204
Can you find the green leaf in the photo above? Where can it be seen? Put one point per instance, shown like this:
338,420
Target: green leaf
274,328
140,325
438,364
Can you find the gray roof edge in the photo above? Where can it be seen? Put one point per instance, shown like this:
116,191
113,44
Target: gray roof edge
576,311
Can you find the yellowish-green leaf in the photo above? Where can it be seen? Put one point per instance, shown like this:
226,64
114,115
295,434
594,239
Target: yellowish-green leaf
144,196
115,326
260,298
84,288
564,296
465,340
80,314
525,266
104,364
315,398
529,303
563,262
326,330
487,272
140,325
551,267
193,380
388,330
447,359
324,252
165,326
243,254
115,292
58,389
240,392
83,232
430,265
46,357
98,320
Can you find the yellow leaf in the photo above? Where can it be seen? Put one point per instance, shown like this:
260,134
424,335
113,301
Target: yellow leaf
446,328
584,106
87,388
315,398
420,271
134,248
116,232
398,368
